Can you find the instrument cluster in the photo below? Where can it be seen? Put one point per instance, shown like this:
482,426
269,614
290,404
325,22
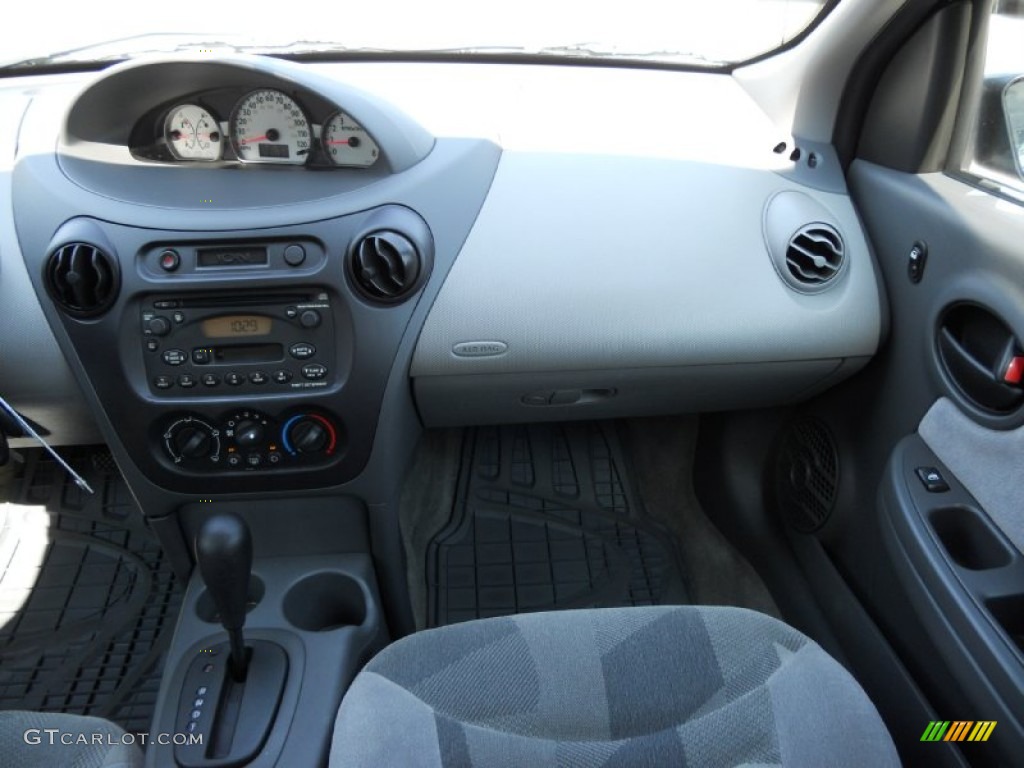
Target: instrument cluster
259,126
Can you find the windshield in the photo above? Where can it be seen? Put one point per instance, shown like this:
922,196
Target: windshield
692,32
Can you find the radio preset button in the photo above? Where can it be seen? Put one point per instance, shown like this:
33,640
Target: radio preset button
152,345
175,357
211,379
309,319
282,376
294,255
186,380
314,371
163,382
200,356
302,350
258,377
234,379
158,326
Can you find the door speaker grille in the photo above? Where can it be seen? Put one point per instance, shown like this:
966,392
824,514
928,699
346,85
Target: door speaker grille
807,475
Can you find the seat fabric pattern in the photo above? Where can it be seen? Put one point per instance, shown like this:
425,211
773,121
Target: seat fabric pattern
681,686
79,742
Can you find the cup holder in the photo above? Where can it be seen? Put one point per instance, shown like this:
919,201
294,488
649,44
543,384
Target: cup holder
207,611
969,539
325,601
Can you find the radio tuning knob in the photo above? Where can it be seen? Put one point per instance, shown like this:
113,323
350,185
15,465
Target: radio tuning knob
309,319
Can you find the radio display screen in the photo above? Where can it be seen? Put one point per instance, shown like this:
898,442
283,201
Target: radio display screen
232,256
237,326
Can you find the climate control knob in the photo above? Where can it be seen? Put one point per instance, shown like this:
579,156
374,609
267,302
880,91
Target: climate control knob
309,433
249,433
192,439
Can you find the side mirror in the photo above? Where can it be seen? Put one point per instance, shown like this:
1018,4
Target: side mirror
1013,111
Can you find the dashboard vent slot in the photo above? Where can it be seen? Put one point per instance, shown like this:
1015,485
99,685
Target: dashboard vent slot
814,256
386,266
82,279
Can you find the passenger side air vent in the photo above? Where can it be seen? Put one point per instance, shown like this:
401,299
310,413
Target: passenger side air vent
804,240
82,279
386,266
814,256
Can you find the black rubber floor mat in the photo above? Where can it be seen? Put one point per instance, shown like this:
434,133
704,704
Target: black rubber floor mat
546,518
88,603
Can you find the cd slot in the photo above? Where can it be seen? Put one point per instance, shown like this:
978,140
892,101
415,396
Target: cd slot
235,354
246,299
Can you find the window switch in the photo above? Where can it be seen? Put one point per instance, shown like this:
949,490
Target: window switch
932,479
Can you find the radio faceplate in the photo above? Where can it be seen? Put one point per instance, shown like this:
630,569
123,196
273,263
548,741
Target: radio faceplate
205,345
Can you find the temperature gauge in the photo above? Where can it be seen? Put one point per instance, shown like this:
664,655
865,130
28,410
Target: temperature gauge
346,143
192,133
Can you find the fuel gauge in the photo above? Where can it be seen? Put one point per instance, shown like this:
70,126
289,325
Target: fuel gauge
193,134
346,143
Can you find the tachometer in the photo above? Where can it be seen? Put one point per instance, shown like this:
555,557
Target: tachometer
192,133
347,143
267,126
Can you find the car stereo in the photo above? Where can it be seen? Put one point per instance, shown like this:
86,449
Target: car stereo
238,344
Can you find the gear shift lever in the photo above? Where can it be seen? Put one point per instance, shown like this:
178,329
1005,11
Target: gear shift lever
224,555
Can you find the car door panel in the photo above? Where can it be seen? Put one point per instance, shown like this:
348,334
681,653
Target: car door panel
957,609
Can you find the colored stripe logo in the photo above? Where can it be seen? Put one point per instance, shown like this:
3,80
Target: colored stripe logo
958,730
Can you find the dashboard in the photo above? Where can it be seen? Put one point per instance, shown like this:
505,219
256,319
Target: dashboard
270,274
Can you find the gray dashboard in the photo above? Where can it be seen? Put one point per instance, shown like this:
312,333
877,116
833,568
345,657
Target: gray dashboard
576,262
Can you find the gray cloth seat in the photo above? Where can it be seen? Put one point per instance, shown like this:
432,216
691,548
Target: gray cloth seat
75,741
661,686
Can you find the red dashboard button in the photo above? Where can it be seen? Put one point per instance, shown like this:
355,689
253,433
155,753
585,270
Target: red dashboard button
1014,373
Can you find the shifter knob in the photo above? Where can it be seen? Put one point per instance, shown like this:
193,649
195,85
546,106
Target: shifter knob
224,555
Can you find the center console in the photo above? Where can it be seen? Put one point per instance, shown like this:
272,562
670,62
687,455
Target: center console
242,334
302,623
260,361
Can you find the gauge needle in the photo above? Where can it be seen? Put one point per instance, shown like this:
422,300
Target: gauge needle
341,141
254,138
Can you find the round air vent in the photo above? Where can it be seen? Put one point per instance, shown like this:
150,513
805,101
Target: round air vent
814,257
385,266
804,242
82,279
807,475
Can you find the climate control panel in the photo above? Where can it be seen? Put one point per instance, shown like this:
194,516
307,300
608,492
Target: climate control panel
250,440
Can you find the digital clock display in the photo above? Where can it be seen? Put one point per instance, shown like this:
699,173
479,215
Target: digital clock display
235,326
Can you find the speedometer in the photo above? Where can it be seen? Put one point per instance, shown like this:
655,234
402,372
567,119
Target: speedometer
267,126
